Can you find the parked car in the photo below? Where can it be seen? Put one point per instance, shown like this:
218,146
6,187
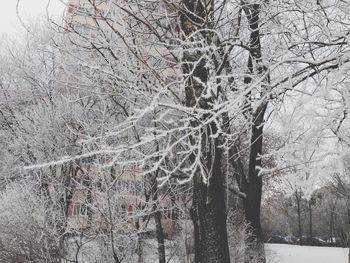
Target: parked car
278,239
314,241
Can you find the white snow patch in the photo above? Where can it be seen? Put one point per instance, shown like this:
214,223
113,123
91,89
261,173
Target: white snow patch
281,253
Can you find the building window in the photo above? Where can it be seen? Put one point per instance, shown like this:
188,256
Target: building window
81,29
84,11
80,209
70,8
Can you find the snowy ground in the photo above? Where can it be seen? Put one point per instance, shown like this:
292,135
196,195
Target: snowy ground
279,253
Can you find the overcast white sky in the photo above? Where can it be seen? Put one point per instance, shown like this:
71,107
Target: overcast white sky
28,10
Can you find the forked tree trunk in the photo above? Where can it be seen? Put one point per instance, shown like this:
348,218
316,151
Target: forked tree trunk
208,208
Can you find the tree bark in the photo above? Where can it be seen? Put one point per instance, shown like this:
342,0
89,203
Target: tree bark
252,183
310,222
331,227
160,237
297,198
252,186
208,211
158,220
209,217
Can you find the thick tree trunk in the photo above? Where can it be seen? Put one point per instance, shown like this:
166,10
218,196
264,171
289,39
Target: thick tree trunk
209,217
252,183
252,186
208,208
